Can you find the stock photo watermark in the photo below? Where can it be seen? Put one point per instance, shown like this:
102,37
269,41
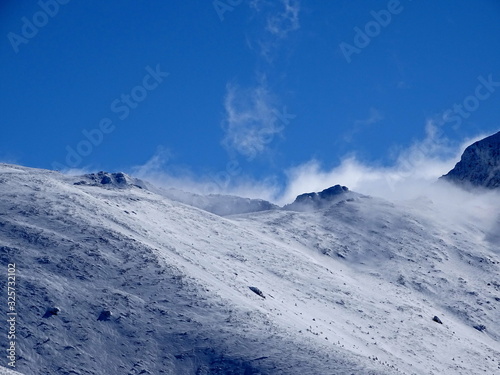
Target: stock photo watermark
122,107
32,25
455,115
363,36
11,315
223,6
471,103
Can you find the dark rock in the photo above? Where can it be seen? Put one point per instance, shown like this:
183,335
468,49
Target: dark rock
320,200
437,320
106,180
110,180
480,327
104,315
323,195
120,178
479,165
51,311
257,291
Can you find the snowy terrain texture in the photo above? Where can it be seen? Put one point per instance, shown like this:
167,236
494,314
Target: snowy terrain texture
115,278
480,165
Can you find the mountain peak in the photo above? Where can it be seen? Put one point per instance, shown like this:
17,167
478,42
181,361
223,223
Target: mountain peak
479,165
320,200
109,180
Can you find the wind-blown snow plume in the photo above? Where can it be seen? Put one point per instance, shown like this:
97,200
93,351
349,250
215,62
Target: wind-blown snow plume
414,170
154,165
413,173
230,180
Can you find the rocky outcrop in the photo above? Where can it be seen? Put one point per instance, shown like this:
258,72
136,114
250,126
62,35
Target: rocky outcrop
479,165
323,199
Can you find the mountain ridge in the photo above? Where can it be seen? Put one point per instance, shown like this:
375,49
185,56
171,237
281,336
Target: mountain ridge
176,281
479,165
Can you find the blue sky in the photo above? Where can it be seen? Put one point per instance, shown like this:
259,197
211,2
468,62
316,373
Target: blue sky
254,97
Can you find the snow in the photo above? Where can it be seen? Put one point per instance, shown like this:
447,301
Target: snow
7,371
350,288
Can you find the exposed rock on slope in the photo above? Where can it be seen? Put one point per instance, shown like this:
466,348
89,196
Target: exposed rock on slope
323,199
222,205
110,180
479,165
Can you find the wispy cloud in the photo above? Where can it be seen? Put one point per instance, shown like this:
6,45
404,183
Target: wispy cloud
231,180
280,19
250,121
374,116
415,169
413,175
284,22
155,164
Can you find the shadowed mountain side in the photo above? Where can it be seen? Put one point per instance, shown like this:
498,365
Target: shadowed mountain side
479,165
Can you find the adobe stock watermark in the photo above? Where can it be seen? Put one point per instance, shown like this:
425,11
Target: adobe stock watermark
471,103
363,37
122,107
460,111
31,26
223,6
11,315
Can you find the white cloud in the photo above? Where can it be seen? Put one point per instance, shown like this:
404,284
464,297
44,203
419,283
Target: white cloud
250,123
279,18
284,22
230,180
411,177
413,174
77,171
154,165
414,171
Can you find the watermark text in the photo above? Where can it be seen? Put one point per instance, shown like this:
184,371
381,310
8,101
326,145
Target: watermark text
11,315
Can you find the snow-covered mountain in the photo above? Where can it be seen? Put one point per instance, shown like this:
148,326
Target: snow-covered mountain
113,277
218,204
479,165
315,201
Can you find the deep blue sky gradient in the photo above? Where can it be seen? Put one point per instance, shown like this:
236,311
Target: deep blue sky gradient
64,79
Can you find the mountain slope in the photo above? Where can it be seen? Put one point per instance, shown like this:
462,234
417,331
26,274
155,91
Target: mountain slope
7,371
218,204
479,165
349,289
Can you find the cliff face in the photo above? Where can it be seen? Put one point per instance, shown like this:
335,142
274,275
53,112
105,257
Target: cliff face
479,165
